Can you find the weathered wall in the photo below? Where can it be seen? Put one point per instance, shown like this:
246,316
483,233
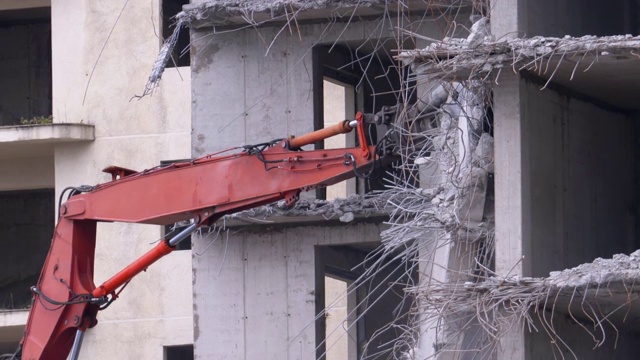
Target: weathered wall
580,17
255,292
96,86
27,173
582,183
25,70
564,167
581,180
565,187
244,94
527,18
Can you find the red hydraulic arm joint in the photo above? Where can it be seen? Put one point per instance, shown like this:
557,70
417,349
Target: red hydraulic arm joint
66,301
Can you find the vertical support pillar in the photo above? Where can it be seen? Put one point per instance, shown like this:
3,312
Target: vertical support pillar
509,18
512,197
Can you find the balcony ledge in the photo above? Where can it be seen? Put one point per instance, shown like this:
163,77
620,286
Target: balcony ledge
40,140
51,133
13,317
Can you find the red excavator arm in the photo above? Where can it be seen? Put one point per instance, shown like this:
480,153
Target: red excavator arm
66,301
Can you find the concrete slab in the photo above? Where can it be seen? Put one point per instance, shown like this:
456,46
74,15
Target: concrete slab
13,317
51,133
24,4
38,141
229,13
603,68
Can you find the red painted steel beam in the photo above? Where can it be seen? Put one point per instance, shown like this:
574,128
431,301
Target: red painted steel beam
204,189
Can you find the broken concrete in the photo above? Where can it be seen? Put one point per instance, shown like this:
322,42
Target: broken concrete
600,67
229,12
619,269
603,291
456,56
355,207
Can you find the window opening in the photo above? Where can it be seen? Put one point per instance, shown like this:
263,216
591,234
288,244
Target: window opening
359,313
339,104
340,337
25,67
367,79
178,352
26,225
181,54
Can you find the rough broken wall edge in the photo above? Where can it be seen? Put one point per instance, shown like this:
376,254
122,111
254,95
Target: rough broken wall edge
455,60
260,13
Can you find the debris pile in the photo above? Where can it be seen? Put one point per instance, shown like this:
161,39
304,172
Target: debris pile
457,57
621,268
344,210
601,293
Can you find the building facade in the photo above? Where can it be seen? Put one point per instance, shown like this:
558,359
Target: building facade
71,70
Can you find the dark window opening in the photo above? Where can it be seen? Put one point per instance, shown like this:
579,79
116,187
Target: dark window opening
181,55
359,314
348,78
25,66
26,225
178,352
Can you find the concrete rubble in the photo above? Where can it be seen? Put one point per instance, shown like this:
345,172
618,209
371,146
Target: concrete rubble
455,57
218,12
343,210
605,290
470,302
620,268
221,9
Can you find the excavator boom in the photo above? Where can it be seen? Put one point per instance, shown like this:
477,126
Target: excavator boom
66,300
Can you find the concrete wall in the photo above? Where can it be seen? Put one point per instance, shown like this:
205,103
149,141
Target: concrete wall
565,178
32,172
581,180
580,17
244,94
25,70
565,187
527,18
583,190
96,86
255,293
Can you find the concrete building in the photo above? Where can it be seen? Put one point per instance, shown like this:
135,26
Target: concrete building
563,169
565,134
75,67
567,195
263,286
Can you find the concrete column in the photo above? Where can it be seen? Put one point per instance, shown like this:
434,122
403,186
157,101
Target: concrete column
512,203
508,18
512,199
